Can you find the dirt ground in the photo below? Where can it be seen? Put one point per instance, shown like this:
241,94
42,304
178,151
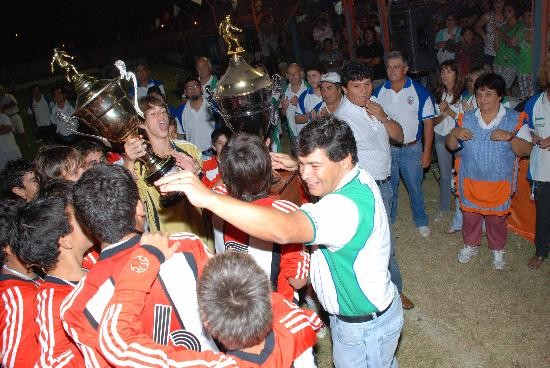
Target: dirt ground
466,315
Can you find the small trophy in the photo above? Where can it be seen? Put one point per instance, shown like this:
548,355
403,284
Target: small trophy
107,111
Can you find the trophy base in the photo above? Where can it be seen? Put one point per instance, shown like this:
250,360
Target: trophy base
163,168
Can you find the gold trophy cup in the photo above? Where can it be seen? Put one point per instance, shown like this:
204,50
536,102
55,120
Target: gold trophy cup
105,108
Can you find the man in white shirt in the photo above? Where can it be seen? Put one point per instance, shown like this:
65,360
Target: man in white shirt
9,105
203,66
410,104
372,129
310,99
61,105
39,110
144,81
538,110
289,104
196,121
9,150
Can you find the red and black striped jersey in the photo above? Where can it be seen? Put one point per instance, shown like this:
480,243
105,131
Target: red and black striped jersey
19,345
57,349
170,313
279,262
90,257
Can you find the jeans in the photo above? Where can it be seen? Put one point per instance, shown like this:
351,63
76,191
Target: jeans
369,344
445,162
407,161
395,273
456,223
542,226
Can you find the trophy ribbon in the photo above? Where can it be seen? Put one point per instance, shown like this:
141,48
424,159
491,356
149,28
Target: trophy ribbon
121,66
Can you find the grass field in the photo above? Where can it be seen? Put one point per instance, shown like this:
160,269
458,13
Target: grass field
466,315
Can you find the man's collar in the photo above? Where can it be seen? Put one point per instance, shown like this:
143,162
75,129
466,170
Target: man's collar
407,84
348,177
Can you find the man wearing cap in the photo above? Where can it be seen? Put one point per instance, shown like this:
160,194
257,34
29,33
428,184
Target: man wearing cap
331,91
373,130
410,104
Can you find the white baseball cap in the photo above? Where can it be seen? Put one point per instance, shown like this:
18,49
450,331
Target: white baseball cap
331,77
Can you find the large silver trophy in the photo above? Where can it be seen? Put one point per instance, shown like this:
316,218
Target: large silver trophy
247,99
105,108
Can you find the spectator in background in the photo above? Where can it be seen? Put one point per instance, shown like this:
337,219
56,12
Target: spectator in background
61,105
322,30
331,91
538,110
469,51
9,150
9,107
330,58
144,81
289,105
39,110
487,27
507,49
525,58
488,142
372,54
203,66
210,165
447,39
448,105
310,99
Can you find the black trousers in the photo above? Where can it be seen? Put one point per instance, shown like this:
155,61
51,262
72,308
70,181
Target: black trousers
542,227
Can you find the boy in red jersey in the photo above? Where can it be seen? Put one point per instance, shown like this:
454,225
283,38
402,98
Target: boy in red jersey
210,165
107,204
50,238
18,346
257,328
245,167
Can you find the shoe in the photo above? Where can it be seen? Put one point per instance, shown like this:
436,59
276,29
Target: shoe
451,231
424,231
406,302
535,262
322,332
498,259
467,253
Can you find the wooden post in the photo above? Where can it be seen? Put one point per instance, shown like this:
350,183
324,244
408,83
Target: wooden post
541,13
384,24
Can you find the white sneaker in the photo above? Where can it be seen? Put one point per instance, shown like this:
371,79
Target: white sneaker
498,259
424,231
467,253
322,332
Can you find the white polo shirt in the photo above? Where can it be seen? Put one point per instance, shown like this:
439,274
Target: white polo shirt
41,111
538,110
409,107
198,124
8,98
291,110
447,124
307,101
67,110
373,143
9,150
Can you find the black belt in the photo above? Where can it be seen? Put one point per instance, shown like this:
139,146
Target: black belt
361,319
383,181
406,144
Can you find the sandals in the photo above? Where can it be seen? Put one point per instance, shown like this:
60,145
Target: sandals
452,231
535,262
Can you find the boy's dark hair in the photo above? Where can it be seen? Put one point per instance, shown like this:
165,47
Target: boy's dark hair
87,146
355,71
12,175
219,131
245,167
57,188
53,162
491,81
149,101
329,134
8,213
191,79
155,90
234,300
105,200
37,230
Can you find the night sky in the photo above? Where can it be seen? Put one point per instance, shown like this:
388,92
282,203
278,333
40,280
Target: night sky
30,29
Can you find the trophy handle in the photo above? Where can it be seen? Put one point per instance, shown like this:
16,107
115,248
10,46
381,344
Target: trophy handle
71,127
121,66
214,106
276,89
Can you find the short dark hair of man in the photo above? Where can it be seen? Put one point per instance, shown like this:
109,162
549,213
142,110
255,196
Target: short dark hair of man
329,134
12,175
37,230
8,213
491,81
57,188
105,200
355,71
234,300
87,146
149,101
191,79
219,131
245,167
53,162
155,90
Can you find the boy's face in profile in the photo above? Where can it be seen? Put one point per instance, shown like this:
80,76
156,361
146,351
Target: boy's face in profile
219,143
173,132
30,187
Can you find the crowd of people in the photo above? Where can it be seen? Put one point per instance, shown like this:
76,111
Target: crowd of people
101,268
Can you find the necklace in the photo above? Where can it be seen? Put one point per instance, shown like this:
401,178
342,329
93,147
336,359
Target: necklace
17,273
